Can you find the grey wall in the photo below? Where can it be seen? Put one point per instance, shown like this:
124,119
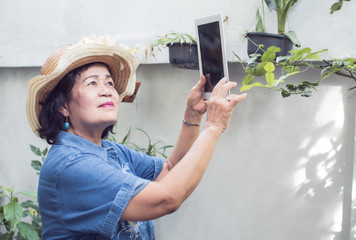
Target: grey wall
282,170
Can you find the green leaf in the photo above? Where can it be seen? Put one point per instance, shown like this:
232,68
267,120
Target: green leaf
124,140
306,94
253,57
27,231
238,57
285,93
248,79
171,38
253,60
247,87
270,78
305,85
269,67
26,213
271,5
313,55
29,194
298,54
269,55
283,77
336,7
328,72
291,69
283,58
35,150
260,27
165,147
8,190
192,39
13,213
45,151
273,49
257,70
30,204
349,61
37,165
293,37
291,87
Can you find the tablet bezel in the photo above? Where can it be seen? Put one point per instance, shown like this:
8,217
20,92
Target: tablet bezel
206,20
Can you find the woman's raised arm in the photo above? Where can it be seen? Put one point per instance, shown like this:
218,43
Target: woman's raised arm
180,177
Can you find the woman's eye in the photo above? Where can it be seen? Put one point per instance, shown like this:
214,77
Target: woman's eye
92,83
110,83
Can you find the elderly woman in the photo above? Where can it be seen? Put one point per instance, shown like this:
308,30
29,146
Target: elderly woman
90,188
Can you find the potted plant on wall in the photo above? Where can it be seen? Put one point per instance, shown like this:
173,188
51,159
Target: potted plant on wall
182,49
297,61
260,40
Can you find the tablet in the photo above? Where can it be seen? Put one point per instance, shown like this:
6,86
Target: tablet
211,51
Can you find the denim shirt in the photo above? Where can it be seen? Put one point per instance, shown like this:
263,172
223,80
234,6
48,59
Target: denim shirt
84,188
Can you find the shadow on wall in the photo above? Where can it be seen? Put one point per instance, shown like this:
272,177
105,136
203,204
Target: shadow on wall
324,170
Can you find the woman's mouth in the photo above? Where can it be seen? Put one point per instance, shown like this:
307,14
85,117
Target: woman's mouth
107,105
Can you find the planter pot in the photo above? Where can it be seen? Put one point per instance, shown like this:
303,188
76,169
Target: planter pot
183,55
268,39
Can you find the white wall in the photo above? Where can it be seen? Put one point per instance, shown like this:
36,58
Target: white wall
31,30
282,170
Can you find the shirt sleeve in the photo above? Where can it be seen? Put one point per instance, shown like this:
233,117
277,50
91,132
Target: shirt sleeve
145,166
93,194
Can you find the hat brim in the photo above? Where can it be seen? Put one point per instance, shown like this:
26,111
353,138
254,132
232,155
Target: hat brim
122,66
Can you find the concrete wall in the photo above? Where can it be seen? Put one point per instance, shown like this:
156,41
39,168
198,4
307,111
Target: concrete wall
282,170
31,30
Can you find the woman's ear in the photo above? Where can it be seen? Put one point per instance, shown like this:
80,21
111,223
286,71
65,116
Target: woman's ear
64,110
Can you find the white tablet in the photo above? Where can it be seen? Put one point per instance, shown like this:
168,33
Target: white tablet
211,51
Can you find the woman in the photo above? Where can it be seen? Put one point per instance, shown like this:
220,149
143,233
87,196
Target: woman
90,188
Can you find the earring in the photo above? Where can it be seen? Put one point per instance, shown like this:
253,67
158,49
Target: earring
66,124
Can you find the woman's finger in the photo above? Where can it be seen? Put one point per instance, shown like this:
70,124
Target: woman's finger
200,84
234,99
223,87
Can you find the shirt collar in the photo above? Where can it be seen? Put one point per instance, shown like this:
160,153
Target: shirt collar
82,144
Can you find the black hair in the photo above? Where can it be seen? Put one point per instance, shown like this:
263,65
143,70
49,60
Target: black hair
51,119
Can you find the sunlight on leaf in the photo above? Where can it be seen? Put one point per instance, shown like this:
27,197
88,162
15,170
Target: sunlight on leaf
247,87
269,67
270,78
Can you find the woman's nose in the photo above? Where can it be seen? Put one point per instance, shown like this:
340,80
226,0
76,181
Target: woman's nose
104,90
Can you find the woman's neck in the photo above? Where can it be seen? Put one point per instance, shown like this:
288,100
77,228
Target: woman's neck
93,137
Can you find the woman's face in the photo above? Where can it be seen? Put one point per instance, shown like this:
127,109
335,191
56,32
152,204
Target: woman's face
95,101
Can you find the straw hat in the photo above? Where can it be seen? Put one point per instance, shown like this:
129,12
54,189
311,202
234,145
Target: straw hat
122,66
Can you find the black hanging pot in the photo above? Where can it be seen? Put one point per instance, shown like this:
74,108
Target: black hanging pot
183,55
268,40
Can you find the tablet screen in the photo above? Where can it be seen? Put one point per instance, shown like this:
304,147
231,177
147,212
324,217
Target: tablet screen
211,54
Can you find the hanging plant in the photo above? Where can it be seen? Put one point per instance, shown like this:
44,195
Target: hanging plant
298,61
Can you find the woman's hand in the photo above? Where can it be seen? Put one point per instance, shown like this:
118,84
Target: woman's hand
220,105
196,105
